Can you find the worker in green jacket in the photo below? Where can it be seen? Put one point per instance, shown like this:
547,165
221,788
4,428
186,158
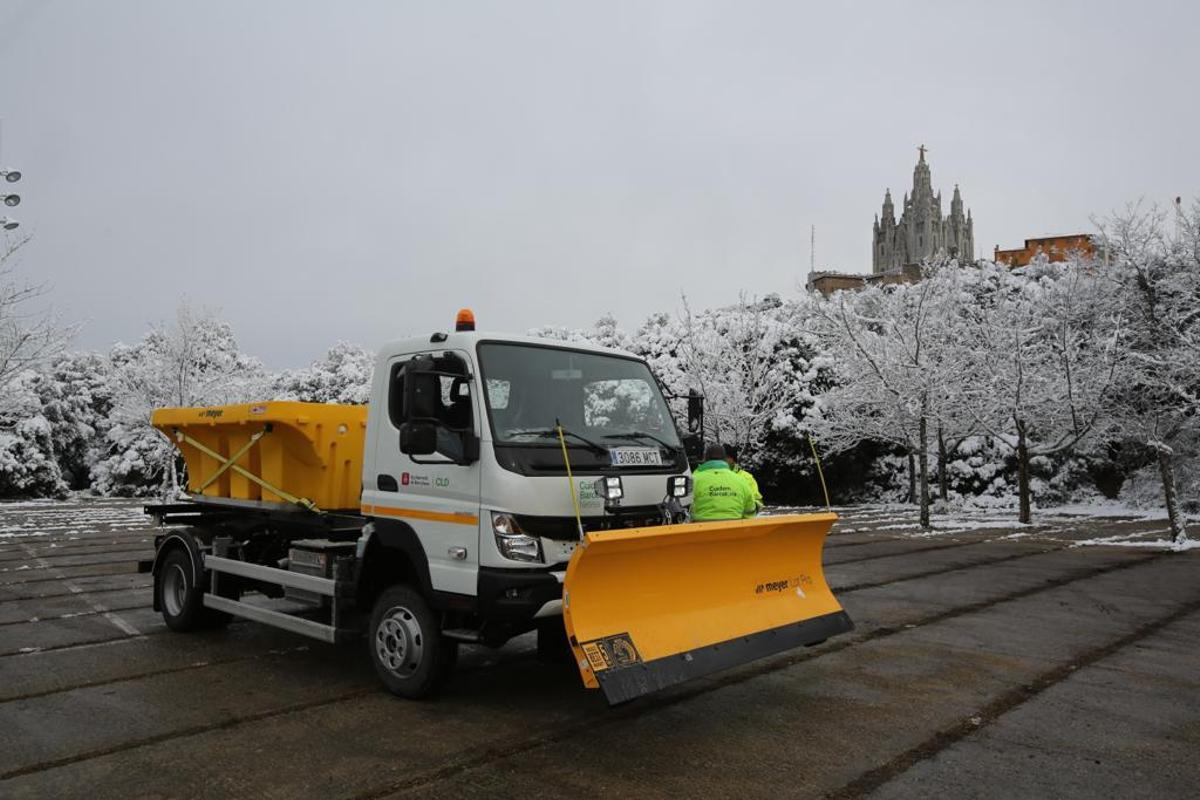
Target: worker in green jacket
731,457
718,493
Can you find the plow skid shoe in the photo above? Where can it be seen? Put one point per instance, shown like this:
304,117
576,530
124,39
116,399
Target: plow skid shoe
646,608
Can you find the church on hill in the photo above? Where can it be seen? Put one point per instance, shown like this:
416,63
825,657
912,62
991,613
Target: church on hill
922,231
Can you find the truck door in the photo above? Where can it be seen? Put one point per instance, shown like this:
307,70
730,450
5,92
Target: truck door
435,495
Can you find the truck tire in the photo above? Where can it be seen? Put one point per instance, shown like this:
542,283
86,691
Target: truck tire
181,601
178,597
410,655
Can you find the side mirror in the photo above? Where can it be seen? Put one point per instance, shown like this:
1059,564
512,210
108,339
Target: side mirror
421,389
695,410
418,438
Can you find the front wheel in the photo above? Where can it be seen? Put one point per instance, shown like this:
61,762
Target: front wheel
410,655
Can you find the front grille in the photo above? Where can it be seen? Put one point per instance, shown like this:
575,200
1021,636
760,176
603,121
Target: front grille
563,528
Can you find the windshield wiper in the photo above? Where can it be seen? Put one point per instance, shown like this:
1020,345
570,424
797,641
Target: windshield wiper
642,435
544,432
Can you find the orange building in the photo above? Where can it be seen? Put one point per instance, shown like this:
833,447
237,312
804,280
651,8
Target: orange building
1056,248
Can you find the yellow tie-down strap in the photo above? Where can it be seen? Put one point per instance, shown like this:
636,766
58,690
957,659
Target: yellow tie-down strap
230,463
647,608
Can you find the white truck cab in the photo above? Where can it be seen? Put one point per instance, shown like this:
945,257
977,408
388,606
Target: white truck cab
465,463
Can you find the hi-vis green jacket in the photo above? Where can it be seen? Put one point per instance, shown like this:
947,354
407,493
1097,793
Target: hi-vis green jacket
753,484
720,493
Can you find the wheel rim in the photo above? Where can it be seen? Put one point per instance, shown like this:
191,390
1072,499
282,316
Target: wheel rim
399,642
175,590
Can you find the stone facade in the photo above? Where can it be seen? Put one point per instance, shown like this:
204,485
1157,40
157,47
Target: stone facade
922,231
829,282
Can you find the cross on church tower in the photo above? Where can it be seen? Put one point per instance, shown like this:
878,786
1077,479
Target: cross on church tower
921,149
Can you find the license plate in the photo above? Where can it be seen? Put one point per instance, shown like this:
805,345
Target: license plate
635,457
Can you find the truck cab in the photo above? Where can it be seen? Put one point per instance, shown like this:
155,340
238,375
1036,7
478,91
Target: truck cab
480,449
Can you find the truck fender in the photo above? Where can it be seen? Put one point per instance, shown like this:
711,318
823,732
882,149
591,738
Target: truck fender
390,550
174,540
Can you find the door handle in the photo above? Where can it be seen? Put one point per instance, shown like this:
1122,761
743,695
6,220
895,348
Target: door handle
386,483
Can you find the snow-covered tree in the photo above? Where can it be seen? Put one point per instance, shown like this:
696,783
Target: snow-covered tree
1042,346
749,363
896,378
1154,260
193,362
28,337
342,375
76,398
27,465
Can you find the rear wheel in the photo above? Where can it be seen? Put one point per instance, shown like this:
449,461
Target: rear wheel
181,602
410,655
181,599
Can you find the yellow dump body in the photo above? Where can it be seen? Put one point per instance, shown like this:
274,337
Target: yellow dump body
275,452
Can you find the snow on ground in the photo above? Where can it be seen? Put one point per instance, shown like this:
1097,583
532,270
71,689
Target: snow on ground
1134,541
1067,524
77,517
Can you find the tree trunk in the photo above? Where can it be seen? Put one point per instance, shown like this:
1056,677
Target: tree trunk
943,489
1167,471
912,479
170,484
1026,514
923,457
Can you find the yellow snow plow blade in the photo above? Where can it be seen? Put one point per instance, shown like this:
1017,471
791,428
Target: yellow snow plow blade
646,608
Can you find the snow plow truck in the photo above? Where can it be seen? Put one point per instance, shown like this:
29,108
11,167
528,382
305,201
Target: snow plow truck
494,485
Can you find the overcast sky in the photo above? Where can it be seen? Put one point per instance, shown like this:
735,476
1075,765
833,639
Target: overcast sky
323,171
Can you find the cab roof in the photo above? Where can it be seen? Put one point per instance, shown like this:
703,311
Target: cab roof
466,340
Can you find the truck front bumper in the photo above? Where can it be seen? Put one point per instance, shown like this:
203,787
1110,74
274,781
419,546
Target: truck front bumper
519,594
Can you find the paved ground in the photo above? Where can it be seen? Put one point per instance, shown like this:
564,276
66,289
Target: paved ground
986,663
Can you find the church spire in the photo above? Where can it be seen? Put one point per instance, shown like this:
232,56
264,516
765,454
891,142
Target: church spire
920,231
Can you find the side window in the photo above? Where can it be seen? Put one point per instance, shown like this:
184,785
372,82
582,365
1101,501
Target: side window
451,403
454,406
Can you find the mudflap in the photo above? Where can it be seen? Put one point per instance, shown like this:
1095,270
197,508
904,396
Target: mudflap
647,608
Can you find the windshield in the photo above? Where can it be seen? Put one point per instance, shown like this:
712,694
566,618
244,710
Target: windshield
609,400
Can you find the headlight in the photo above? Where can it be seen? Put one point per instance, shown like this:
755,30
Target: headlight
610,488
511,541
679,486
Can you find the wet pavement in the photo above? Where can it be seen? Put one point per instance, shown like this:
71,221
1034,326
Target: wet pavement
989,660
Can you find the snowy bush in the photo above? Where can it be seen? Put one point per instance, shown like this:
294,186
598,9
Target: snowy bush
194,362
76,399
343,375
27,464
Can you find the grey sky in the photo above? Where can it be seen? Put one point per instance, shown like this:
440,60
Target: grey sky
317,171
